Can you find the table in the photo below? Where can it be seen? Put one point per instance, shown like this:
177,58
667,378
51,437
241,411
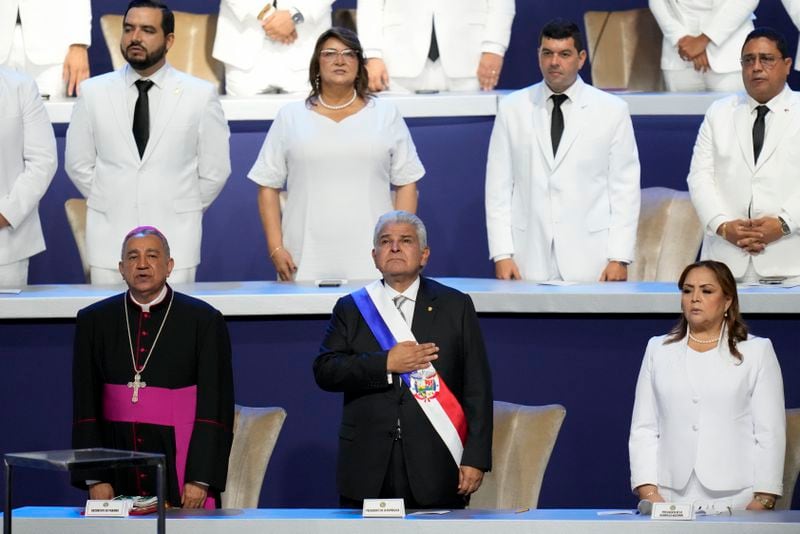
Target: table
78,459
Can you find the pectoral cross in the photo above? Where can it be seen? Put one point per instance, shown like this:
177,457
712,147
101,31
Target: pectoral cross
136,384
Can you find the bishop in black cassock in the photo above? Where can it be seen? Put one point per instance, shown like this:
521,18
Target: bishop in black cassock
181,403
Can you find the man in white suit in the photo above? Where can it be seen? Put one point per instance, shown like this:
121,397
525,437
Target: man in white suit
562,177
266,47
793,9
146,145
27,165
434,45
702,40
48,40
743,176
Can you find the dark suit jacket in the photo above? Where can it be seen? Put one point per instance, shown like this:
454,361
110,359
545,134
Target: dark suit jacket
351,361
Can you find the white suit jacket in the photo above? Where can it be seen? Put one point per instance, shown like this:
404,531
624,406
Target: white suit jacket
585,200
240,35
730,427
48,27
725,184
183,168
727,25
27,164
399,32
793,9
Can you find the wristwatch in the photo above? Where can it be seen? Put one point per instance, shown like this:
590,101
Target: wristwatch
766,502
784,227
297,17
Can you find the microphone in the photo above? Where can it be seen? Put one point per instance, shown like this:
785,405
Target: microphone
645,507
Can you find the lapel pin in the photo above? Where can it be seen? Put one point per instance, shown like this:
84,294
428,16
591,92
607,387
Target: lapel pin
177,91
430,308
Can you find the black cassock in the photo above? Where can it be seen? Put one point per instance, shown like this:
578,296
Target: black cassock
193,350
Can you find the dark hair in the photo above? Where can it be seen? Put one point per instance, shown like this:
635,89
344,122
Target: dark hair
350,40
142,231
773,35
167,17
735,326
559,28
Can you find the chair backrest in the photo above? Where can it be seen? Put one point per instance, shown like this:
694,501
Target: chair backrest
76,216
624,49
191,51
523,439
668,238
255,432
791,466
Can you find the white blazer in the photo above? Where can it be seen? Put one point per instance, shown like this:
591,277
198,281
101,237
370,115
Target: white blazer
27,164
399,32
585,200
793,9
182,171
729,427
725,184
240,36
48,27
726,24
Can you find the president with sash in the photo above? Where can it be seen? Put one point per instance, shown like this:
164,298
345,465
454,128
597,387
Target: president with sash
408,354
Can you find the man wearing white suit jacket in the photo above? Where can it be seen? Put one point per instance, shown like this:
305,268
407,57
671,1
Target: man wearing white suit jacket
48,40
27,164
702,41
743,176
562,177
471,38
267,47
147,145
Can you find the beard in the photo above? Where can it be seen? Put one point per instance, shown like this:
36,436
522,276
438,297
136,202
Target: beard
149,59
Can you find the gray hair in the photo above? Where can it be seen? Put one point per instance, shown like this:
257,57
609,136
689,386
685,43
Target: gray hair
401,217
141,231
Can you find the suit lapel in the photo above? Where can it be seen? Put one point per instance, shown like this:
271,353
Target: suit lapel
779,128
571,126
118,99
743,124
168,103
541,124
425,310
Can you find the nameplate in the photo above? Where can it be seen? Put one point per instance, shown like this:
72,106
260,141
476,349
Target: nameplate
669,511
384,508
115,508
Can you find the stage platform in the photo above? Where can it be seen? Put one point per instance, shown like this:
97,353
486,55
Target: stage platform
63,520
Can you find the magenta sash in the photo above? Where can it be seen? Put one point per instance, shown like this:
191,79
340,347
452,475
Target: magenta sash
158,406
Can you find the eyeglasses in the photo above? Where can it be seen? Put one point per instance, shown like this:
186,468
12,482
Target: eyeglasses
330,54
768,61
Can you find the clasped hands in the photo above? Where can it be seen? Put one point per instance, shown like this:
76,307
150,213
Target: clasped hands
280,27
751,235
693,48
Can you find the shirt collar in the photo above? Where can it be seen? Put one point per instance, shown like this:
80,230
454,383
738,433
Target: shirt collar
571,92
777,102
410,293
146,307
131,76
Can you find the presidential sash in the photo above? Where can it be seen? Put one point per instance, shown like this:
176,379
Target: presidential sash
433,396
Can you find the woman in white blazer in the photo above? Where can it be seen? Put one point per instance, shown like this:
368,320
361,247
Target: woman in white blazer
708,423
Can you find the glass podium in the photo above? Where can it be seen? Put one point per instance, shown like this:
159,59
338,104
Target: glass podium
85,459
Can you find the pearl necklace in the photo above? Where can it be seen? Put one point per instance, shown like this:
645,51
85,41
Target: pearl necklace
137,372
703,341
340,106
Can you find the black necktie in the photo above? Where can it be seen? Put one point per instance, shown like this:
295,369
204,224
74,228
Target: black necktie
557,121
433,51
758,131
141,116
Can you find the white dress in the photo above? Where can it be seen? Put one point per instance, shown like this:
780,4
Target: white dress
338,179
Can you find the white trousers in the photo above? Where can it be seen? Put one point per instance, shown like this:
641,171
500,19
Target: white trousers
706,499
270,72
48,77
689,80
107,277
433,78
14,275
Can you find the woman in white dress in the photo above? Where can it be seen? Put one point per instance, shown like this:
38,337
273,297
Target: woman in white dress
709,424
339,154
